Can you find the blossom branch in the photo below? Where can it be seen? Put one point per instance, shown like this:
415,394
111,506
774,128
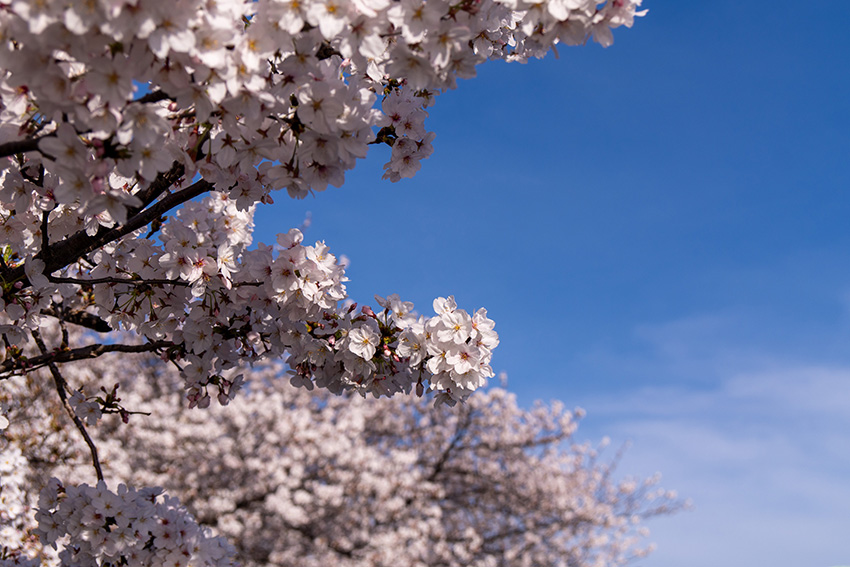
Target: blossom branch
134,281
65,252
463,422
78,245
159,186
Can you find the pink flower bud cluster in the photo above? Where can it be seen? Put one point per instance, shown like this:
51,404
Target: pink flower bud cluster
128,527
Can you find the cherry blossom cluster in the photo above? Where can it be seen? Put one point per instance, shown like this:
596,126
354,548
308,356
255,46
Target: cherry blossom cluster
211,303
128,527
236,84
390,351
404,128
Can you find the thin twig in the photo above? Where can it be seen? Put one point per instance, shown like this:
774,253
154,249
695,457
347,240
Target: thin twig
65,342
61,386
45,240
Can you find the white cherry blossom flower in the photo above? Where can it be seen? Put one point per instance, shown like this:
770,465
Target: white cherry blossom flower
364,340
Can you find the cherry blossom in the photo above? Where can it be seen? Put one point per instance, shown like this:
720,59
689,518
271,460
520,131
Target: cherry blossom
137,138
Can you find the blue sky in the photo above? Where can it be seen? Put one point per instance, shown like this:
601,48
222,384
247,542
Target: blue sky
660,230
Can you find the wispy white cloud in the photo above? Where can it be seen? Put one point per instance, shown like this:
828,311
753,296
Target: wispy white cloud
761,445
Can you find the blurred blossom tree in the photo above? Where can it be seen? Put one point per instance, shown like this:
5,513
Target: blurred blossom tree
297,478
136,139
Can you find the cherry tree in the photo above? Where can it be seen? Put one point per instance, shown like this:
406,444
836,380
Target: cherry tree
292,477
136,139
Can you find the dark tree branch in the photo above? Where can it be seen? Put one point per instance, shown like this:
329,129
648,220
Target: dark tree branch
128,281
80,243
81,353
80,318
45,241
154,96
21,146
136,282
159,186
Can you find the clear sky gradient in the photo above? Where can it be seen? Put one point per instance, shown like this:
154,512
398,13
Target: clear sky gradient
660,231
